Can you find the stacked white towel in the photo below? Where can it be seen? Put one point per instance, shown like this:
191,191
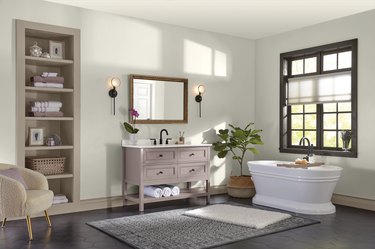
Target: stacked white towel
153,191
48,84
59,199
55,104
46,109
49,74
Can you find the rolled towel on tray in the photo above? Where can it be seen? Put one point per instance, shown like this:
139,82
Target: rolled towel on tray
153,191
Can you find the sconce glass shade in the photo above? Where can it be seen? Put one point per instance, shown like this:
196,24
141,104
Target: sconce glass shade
115,82
201,89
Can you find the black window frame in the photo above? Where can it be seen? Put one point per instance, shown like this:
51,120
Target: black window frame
285,110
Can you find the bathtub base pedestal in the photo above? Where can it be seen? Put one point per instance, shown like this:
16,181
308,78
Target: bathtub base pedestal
293,206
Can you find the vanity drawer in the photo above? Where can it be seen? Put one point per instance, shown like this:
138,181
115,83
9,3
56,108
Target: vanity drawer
159,156
192,155
192,170
159,172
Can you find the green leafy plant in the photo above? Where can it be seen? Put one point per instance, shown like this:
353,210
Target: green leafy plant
131,128
237,141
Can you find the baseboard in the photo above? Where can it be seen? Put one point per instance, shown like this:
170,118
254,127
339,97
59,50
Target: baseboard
356,202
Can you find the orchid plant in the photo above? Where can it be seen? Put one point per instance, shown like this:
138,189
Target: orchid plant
131,128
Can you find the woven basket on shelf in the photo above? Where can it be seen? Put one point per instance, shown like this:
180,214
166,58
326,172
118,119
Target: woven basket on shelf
46,165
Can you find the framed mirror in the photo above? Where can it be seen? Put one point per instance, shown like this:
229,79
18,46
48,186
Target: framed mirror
159,100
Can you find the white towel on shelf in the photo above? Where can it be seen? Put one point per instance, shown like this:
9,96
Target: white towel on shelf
39,84
54,85
53,104
166,191
59,199
45,109
152,191
175,190
49,74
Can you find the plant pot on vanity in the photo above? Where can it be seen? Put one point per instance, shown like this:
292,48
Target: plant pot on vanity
241,187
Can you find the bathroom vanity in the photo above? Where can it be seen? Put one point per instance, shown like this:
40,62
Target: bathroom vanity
165,164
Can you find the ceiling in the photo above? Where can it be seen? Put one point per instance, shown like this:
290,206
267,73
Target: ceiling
252,19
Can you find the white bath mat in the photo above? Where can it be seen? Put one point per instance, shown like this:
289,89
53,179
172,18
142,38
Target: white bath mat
243,216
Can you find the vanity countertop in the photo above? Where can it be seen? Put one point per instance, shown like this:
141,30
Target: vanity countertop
147,145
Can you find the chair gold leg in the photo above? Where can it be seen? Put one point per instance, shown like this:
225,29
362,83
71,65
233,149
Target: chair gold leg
29,228
4,221
47,218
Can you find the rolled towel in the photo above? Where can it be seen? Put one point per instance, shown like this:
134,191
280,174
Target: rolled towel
166,191
49,74
153,191
175,190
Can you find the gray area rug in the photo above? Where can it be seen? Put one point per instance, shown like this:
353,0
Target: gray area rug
174,230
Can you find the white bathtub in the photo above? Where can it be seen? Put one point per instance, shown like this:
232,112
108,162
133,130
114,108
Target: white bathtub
306,191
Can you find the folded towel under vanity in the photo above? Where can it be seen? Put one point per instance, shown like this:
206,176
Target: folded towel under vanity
153,191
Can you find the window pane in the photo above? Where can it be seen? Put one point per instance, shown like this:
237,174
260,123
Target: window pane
310,108
311,135
310,65
345,59
329,139
297,108
297,67
345,107
310,121
329,107
329,121
297,121
345,121
296,136
329,62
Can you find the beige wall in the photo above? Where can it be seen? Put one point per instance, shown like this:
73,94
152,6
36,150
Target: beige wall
115,45
359,173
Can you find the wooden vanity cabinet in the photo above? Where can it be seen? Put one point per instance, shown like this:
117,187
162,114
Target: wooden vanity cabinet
155,165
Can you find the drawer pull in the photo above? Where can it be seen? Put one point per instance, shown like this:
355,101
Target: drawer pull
159,173
161,155
192,154
192,170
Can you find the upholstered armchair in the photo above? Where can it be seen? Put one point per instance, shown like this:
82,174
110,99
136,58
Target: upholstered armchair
23,192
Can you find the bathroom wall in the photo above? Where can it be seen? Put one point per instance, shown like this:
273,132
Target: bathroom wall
359,173
114,45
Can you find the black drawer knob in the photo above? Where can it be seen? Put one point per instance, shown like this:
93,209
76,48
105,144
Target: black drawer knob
192,170
192,154
159,173
161,155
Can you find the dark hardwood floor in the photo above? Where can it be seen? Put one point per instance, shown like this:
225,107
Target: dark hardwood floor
349,228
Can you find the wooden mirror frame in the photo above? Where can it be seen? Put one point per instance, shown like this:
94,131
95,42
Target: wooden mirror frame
160,78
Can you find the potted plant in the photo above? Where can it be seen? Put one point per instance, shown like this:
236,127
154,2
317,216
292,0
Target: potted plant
133,136
346,136
238,142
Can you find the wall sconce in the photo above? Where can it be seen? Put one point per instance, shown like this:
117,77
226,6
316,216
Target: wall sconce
114,82
201,89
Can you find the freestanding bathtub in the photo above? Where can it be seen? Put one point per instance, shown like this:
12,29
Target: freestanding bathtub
306,191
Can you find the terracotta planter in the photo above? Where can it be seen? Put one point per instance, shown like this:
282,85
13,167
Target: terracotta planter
241,187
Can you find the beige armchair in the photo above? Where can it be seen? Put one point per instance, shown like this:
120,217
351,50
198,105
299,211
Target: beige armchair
16,201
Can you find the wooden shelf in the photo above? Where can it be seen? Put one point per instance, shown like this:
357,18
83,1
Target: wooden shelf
60,176
182,195
48,90
30,60
62,147
49,118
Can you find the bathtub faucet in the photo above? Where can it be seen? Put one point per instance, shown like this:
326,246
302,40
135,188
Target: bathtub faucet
310,147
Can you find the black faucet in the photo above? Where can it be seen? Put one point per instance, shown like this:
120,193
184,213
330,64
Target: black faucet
161,135
310,147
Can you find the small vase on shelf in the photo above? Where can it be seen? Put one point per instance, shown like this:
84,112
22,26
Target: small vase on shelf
133,137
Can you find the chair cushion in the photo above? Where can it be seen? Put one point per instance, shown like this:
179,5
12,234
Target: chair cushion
15,174
37,201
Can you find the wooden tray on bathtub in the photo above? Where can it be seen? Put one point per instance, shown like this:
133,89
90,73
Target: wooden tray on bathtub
303,166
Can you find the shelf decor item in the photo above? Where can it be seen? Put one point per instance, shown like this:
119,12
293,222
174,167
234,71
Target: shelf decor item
46,165
56,49
35,50
346,136
36,136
